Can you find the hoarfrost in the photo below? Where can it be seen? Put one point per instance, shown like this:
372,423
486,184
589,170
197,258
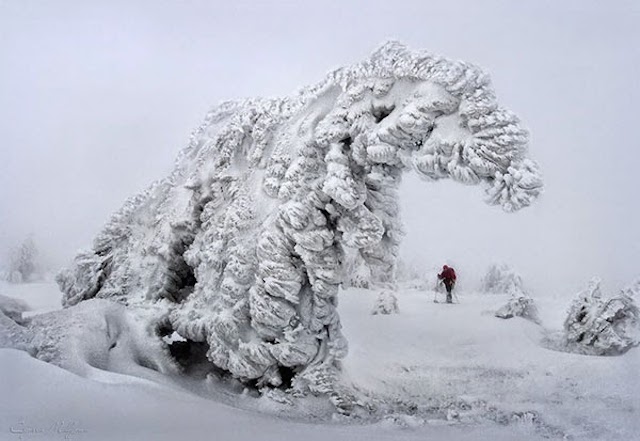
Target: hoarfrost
603,326
242,246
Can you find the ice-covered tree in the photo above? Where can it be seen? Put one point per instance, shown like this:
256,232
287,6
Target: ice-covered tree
603,325
242,247
23,262
386,303
502,279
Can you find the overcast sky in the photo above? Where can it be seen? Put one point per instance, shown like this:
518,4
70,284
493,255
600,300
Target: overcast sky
97,98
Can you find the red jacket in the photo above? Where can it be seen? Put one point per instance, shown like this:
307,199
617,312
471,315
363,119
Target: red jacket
447,274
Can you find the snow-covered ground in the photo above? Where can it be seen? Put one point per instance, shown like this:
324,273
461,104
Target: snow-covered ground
469,366
432,371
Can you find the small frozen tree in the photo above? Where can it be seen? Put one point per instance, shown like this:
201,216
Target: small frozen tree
502,279
23,262
603,326
386,303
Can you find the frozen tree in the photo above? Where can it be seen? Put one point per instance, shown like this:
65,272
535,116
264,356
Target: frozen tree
23,262
603,326
502,279
242,247
386,303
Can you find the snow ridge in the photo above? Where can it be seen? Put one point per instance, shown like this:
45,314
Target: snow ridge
242,246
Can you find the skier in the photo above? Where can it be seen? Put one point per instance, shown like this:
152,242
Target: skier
448,277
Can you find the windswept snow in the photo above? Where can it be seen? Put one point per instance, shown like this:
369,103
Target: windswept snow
432,371
460,363
13,308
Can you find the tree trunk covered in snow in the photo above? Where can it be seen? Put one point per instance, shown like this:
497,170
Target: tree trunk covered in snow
243,244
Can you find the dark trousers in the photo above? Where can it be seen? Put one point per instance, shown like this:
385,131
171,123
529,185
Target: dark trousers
448,284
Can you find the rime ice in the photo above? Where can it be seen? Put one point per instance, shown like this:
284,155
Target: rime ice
242,246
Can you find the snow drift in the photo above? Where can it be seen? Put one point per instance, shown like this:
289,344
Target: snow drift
242,246
520,305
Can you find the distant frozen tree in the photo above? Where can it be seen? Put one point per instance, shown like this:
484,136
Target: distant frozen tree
603,326
386,303
23,264
243,246
502,279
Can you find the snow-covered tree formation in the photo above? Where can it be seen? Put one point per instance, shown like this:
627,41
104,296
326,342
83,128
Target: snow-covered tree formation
603,326
242,246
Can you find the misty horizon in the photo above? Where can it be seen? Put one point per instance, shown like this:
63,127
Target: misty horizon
99,100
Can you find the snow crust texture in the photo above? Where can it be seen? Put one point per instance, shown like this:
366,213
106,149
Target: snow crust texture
603,326
242,246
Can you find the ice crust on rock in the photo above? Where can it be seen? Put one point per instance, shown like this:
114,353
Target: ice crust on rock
242,246
520,305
